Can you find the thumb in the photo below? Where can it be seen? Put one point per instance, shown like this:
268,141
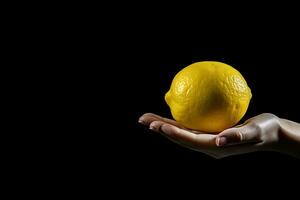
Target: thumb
238,135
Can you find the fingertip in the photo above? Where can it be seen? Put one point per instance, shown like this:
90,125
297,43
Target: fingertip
140,120
146,119
228,132
221,141
144,115
231,136
156,126
152,125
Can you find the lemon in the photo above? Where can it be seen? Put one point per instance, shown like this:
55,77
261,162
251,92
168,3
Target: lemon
208,96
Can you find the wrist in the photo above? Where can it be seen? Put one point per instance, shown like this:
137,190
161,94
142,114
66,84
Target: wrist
288,138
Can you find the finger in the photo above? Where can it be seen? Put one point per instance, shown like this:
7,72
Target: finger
156,126
244,134
188,138
147,118
169,133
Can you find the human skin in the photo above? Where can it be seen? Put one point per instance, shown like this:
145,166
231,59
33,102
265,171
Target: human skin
264,132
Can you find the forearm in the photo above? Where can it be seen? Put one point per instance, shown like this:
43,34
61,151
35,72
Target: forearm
289,133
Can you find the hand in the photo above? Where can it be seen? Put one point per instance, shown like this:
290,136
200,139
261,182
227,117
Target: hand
262,132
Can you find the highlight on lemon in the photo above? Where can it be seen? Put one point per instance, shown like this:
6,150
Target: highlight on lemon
208,96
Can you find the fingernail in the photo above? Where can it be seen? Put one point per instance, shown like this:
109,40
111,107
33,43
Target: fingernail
221,141
142,122
151,127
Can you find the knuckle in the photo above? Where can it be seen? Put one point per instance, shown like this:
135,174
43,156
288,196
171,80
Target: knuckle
254,126
240,134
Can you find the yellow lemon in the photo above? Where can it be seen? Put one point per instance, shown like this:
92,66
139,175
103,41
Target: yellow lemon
208,96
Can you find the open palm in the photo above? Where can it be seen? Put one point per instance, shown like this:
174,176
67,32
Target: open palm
257,133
